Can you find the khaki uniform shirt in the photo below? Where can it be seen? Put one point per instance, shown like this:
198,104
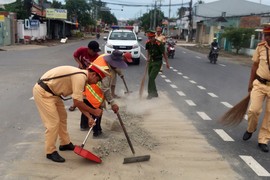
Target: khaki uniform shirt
161,38
260,57
71,85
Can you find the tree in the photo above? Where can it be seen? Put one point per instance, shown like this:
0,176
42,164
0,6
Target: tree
21,8
148,17
80,10
57,5
239,37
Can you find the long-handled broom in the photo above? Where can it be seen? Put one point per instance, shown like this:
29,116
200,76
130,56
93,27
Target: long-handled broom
235,115
143,80
134,158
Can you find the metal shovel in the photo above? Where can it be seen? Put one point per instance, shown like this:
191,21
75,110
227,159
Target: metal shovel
134,158
84,153
127,92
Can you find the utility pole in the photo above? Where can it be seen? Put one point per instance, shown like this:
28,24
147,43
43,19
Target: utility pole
155,15
190,22
168,26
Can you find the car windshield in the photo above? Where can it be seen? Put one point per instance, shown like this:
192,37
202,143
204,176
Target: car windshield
122,36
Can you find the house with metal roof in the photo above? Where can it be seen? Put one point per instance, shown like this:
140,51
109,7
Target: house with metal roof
210,19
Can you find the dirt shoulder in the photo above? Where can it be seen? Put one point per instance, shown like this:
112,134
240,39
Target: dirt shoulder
177,149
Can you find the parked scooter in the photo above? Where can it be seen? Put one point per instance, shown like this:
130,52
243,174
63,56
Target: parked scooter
214,55
170,48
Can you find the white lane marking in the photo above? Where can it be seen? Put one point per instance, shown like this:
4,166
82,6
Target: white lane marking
223,135
193,82
190,103
143,56
227,104
185,77
222,65
201,87
167,80
171,67
204,116
31,98
180,73
255,166
163,76
175,70
212,95
198,57
180,93
246,117
184,52
173,86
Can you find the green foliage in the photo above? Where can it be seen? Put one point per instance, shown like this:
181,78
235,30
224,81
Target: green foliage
57,5
148,19
239,37
22,8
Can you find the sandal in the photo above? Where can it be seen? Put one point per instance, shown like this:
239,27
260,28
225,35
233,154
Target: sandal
72,108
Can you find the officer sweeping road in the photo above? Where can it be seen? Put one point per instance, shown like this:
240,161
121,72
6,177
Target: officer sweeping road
155,52
259,88
49,91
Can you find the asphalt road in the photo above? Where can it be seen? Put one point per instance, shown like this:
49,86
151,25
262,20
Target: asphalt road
202,91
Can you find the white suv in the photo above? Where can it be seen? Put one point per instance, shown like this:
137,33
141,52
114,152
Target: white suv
123,40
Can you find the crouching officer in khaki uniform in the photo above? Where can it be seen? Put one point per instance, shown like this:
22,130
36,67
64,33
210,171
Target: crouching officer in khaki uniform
48,93
155,52
259,85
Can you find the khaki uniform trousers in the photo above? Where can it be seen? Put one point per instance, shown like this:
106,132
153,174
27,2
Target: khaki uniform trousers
260,92
54,117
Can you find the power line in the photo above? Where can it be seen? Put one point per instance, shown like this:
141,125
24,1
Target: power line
143,5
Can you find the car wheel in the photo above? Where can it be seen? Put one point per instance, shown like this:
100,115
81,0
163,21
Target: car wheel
136,61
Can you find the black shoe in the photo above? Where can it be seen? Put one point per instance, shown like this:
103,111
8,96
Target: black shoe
85,129
263,147
247,136
67,147
97,133
55,157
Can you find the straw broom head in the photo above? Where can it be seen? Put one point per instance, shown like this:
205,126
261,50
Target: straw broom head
236,114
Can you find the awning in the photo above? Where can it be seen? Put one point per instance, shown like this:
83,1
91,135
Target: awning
69,22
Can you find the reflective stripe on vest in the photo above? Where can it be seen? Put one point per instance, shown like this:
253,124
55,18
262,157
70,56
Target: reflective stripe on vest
94,94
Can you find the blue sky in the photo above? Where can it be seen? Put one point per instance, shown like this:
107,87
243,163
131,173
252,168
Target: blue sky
133,12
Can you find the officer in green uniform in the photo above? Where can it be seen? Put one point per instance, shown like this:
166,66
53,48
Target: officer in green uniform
155,51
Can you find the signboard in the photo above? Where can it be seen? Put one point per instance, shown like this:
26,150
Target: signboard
31,24
56,13
2,18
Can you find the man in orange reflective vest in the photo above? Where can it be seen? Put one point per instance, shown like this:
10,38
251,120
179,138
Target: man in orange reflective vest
96,93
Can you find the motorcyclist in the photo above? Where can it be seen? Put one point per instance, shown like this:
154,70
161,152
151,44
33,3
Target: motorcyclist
213,44
171,43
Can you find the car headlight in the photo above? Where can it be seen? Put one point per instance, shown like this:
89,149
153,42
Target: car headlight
109,45
135,46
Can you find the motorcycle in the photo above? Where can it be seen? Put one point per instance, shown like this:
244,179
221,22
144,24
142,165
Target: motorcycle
170,50
214,55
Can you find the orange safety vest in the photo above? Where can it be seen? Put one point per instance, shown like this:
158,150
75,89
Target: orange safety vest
100,61
94,94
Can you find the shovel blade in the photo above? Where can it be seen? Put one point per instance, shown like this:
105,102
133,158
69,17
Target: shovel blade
136,159
86,154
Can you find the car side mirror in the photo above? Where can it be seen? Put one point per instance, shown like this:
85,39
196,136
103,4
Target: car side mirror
105,38
139,39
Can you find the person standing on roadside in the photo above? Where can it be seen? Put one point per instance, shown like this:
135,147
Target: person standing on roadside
259,88
155,52
48,94
84,56
96,94
161,38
